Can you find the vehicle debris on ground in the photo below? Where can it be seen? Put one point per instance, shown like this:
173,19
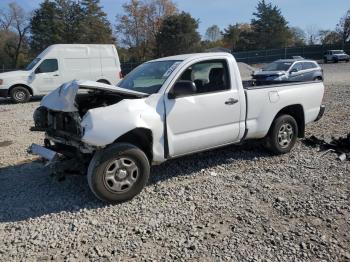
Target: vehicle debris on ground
340,146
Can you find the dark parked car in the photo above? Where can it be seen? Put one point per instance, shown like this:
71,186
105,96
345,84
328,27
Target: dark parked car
288,70
336,56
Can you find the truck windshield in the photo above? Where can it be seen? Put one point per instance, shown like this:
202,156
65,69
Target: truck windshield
32,64
277,66
149,77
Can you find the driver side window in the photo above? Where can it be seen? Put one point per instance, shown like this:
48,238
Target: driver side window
297,67
47,66
208,76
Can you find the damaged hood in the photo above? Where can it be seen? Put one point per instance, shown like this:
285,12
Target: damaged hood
63,98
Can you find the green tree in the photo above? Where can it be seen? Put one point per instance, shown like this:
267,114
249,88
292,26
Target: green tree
328,37
70,16
270,27
94,24
238,37
178,34
46,27
67,22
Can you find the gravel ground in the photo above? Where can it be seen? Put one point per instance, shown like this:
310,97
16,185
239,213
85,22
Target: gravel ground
233,204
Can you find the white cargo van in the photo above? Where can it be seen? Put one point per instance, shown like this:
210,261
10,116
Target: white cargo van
59,64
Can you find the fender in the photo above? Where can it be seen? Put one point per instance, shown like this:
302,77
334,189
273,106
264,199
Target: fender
21,83
105,125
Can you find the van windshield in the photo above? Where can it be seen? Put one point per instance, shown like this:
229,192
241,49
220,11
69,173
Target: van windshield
32,64
149,77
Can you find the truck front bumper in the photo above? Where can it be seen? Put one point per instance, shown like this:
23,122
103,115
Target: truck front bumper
59,163
321,113
43,152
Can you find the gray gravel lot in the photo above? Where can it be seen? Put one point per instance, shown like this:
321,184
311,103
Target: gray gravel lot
233,204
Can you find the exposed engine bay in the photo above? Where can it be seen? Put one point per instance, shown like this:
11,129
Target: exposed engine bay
62,111
68,123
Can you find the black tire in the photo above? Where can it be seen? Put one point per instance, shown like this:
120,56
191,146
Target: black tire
110,189
19,94
278,141
318,78
325,60
347,61
335,60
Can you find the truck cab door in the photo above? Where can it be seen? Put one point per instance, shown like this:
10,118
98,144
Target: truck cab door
46,77
207,118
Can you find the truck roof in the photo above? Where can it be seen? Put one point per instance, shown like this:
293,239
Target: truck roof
192,56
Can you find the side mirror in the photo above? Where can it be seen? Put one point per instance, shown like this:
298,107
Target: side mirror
294,70
182,88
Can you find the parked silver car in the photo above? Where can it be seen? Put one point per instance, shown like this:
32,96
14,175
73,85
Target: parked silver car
288,70
336,56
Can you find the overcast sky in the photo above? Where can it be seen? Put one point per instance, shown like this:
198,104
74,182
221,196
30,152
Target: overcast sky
318,14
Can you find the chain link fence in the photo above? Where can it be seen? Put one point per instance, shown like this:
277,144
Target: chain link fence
3,69
315,52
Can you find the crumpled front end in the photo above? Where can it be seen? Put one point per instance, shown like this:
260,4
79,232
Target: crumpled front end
61,112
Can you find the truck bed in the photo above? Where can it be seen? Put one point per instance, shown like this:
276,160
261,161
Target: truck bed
264,102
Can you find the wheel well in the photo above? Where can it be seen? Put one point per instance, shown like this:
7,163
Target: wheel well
22,85
104,81
297,112
140,137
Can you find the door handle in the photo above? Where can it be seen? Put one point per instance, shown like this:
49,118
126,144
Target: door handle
231,101
56,75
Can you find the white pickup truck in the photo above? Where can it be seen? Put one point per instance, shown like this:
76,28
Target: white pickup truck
166,108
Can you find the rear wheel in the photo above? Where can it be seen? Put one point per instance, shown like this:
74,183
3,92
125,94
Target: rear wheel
20,94
118,173
283,135
318,78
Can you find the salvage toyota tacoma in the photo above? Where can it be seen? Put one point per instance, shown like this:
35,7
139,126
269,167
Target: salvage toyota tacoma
164,109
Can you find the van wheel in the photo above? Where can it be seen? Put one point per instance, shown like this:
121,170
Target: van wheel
283,135
118,173
20,94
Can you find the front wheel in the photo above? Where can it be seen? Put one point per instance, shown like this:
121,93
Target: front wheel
282,135
19,94
118,173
